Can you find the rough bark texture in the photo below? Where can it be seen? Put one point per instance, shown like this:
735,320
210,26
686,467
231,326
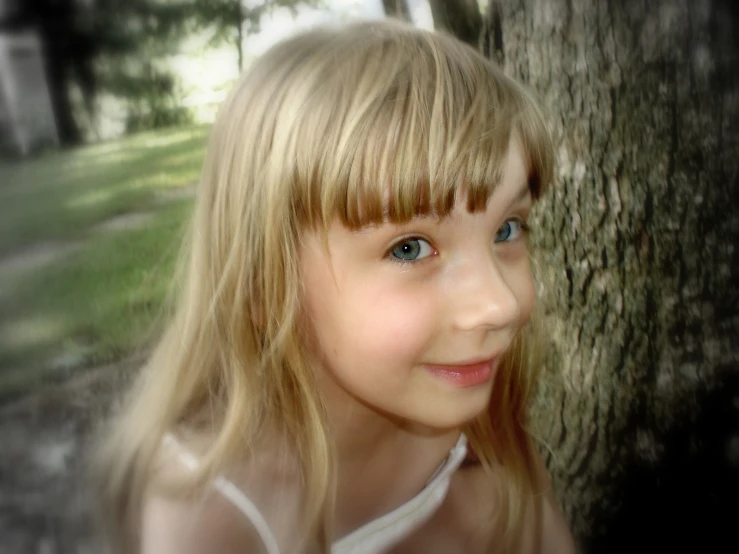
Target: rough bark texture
639,269
461,18
397,8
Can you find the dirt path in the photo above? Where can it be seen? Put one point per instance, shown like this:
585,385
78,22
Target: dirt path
44,502
36,257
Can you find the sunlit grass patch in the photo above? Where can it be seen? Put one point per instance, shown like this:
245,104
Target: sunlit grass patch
96,306
61,194
115,214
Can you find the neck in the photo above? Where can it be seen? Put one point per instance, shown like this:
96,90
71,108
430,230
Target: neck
362,434
382,462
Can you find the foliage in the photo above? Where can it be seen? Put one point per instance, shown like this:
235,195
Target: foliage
151,95
229,21
118,47
129,67
105,46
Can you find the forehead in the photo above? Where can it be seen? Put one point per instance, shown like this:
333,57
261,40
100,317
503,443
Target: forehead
406,136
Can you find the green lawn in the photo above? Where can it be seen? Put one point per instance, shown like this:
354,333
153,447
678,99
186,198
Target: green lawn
100,301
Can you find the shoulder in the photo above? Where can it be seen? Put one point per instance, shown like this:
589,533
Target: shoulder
180,517
546,529
242,510
195,525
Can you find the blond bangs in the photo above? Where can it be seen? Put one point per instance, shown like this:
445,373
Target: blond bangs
406,125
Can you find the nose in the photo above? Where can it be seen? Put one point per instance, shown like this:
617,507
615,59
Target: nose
486,296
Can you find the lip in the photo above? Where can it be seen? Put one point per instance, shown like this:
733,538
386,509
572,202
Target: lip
466,374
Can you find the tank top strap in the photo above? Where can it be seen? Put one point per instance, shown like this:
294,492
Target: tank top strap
389,530
232,494
373,538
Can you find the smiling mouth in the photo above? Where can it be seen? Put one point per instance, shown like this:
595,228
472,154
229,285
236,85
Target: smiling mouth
466,375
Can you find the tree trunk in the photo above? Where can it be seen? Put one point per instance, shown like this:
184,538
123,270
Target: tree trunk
239,24
397,8
58,82
461,18
638,262
62,59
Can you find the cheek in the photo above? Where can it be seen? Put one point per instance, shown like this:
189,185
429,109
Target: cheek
370,323
392,322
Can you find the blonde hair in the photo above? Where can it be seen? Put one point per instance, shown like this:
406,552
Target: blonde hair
364,122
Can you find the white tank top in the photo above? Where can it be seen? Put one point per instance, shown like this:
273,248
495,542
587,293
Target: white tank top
374,537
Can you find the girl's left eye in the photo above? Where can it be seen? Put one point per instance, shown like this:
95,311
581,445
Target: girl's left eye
411,250
510,230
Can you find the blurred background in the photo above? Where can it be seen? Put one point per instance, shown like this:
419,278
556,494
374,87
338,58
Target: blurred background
104,113
86,71
105,108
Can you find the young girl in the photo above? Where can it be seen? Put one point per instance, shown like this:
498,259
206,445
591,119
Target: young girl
348,367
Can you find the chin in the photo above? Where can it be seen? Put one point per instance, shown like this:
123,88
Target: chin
454,413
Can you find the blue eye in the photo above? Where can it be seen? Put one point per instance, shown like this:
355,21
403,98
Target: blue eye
510,230
411,250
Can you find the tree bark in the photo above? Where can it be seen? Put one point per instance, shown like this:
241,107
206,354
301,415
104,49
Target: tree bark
239,25
638,262
461,18
397,8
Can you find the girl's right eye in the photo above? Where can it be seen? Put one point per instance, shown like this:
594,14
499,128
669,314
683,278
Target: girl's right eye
411,250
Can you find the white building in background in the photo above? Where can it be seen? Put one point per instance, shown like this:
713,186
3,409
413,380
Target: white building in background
26,116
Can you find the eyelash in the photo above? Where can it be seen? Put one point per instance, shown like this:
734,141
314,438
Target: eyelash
524,230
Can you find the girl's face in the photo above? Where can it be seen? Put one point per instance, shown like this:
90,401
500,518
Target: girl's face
412,319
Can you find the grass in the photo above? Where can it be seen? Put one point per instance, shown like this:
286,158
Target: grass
59,196
101,301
